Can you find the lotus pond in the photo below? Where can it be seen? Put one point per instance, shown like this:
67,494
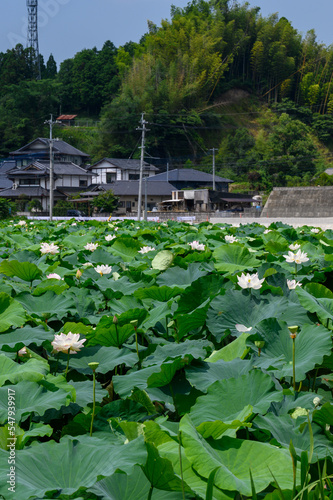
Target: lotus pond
150,361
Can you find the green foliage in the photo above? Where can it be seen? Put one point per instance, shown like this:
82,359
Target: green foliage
105,202
7,208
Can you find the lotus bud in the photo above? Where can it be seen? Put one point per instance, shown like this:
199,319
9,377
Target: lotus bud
171,323
259,343
293,331
78,274
115,319
316,401
134,322
93,365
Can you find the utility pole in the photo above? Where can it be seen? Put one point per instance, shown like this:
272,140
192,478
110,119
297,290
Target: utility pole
51,123
143,130
213,149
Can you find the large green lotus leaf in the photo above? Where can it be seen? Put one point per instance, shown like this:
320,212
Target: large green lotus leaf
170,450
234,258
76,241
137,314
26,271
158,293
75,462
285,429
196,349
133,486
236,349
86,303
158,375
160,473
11,312
202,375
125,248
241,307
101,256
234,459
225,399
49,304
181,278
196,294
31,397
318,299
324,415
157,314
84,392
312,343
162,260
14,341
108,334
119,287
107,357
33,369
54,285
192,320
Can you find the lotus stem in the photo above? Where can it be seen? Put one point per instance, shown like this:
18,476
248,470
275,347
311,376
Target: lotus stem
94,402
67,364
294,367
180,463
295,269
93,366
150,494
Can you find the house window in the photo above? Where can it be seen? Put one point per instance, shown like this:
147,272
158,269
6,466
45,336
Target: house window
121,204
133,177
83,182
110,177
29,182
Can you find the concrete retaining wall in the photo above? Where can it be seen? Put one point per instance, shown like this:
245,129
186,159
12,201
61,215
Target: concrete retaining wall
299,202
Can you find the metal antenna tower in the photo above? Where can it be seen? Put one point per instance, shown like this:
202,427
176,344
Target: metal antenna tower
33,32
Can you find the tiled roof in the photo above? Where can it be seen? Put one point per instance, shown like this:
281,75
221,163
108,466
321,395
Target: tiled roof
43,168
59,146
188,175
131,188
125,164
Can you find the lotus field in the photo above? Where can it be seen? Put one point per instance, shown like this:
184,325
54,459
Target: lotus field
165,361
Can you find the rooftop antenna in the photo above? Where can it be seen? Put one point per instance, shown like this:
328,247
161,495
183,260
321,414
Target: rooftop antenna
32,42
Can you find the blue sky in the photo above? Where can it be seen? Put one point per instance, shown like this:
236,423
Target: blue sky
68,26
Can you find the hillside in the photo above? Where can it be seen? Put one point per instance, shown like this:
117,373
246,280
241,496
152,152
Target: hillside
216,75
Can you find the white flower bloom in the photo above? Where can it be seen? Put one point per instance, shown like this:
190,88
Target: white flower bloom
23,352
292,284
21,223
242,328
316,401
297,257
110,237
103,269
49,248
63,342
230,239
250,281
195,245
267,231
315,230
87,264
91,246
74,224
54,276
294,246
146,249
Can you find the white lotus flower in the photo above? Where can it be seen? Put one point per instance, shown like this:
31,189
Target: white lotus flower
49,248
315,230
87,264
23,352
103,269
267,231
54,276
292,284
21,223
110,237
242,328
316,401
63,342
230,239
91,246
146,249
250,281
294,246
297,257
195,245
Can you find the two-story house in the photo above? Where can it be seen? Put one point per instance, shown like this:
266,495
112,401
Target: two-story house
110,170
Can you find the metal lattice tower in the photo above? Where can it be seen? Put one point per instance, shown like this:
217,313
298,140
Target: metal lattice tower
32,6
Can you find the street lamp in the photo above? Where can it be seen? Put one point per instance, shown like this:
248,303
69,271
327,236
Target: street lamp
51,123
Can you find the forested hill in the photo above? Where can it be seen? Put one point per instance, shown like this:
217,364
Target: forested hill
216,75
